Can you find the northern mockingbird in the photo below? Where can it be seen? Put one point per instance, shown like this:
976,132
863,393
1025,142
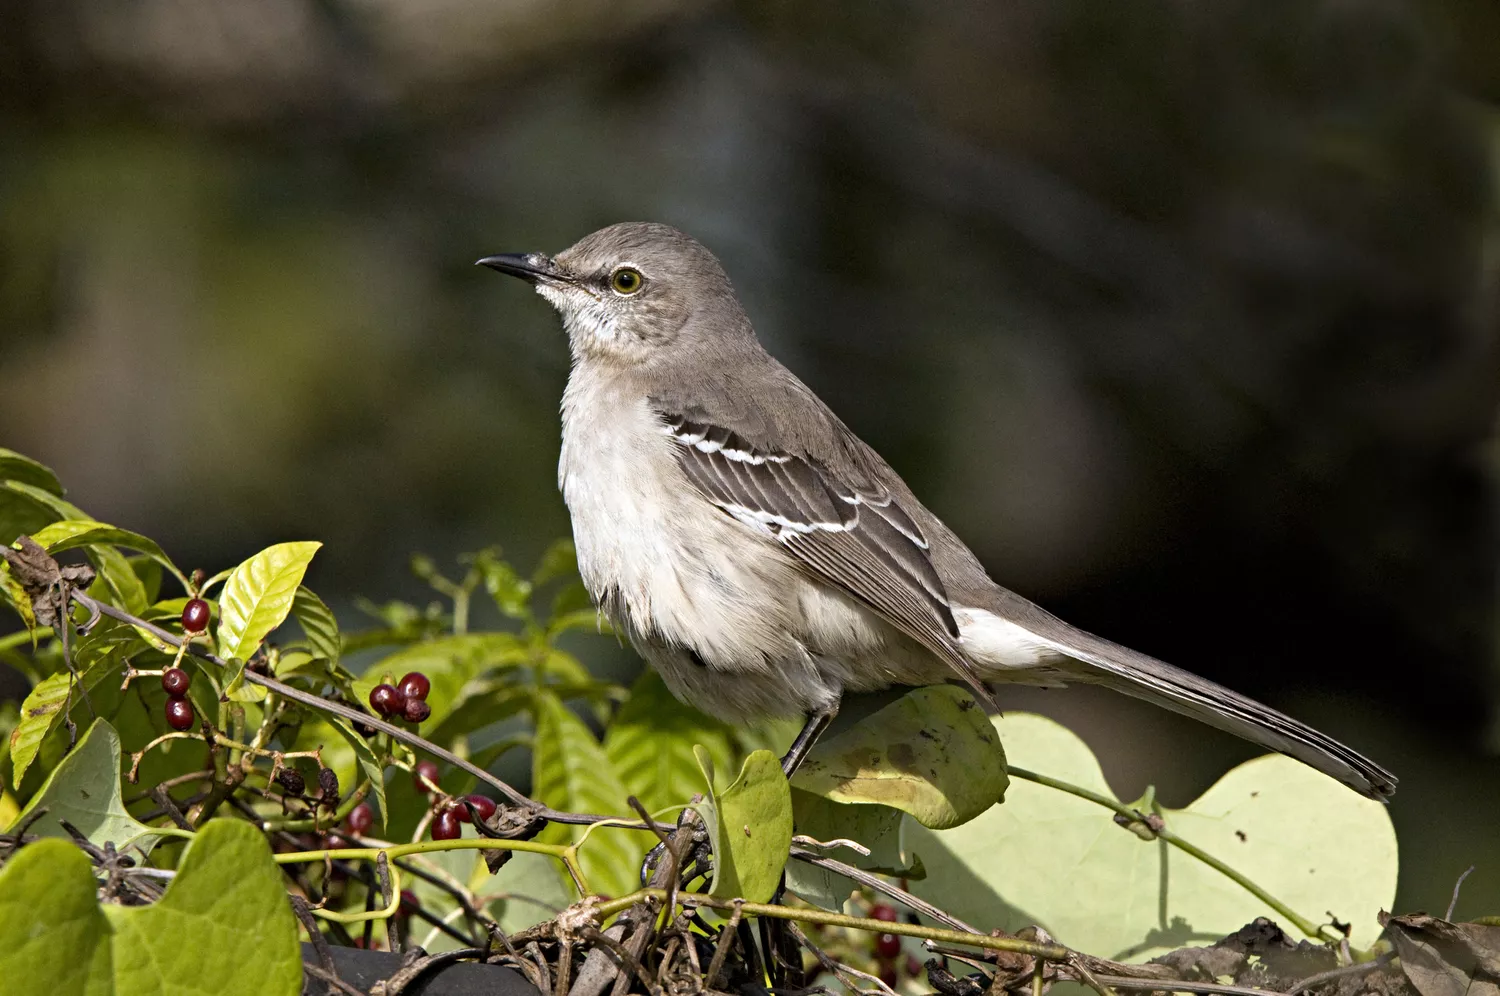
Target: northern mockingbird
765,560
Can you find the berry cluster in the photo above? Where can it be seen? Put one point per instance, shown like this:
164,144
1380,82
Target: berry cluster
404,700
445,825
174,680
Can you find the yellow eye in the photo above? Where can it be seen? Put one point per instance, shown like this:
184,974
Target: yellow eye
626,280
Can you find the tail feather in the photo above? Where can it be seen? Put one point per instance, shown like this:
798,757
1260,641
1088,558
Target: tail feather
1147,678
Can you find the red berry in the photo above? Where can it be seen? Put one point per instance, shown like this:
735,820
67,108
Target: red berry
887,946
360,819
387,700
883,911
484,806
415,685
427,770
195,615
445,826
913,967
409,902
888,975
176,681
179,714
416,710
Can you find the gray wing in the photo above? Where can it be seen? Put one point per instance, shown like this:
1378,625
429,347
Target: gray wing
855,538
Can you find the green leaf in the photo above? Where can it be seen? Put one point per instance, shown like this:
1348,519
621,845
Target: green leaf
750,824
224,925
650,743
369,763
529,888
571,772
258,596
15,467
68,534
876,827
45,499
84,789
42,710
930,753
1055,859
237,689
559,561
118,578
318,623
511,592
19,600
53,934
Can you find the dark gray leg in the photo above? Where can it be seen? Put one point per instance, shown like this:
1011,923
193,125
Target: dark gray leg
816,723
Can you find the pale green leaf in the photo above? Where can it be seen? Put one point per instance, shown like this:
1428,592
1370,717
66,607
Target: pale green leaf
19,600
53,934
258,595
930,753
751,827
45,499
650,743
84,790
43,708
69,534
318,623
369,763
226,904
1058,860
571,772
15,467
528,889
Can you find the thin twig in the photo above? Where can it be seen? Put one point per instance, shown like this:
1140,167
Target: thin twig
1338,973
880,885
328,979
627,958
840,970
726,936
1452,903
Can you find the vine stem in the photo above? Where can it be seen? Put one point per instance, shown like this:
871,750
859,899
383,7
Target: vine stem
1052,952
1302,923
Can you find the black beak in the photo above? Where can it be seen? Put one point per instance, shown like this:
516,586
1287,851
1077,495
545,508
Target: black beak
530,266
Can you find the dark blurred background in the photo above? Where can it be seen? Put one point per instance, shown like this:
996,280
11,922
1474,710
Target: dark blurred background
1182,314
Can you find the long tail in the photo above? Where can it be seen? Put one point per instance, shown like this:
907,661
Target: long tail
1143,677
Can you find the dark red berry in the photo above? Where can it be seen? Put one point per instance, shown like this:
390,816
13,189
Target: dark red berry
409,902
179,714
425,770
888,975
291,779
415,685
195,615
176,681
387,700
445,826
913,966
360,819
887,946
328,784
484,806
883,911
416,710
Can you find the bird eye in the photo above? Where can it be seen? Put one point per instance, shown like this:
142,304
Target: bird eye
626,280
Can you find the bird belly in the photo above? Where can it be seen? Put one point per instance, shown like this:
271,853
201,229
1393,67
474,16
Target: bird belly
724,613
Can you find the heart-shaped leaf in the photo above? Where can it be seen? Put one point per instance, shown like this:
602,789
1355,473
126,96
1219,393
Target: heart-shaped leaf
930,753
1052,858
84,790
227,897
750,823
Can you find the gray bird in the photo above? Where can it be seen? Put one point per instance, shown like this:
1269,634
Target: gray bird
763,558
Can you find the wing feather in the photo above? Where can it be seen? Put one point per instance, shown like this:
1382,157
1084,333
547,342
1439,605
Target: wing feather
853,537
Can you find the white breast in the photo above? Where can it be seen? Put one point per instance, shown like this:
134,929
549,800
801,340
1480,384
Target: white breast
661,559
